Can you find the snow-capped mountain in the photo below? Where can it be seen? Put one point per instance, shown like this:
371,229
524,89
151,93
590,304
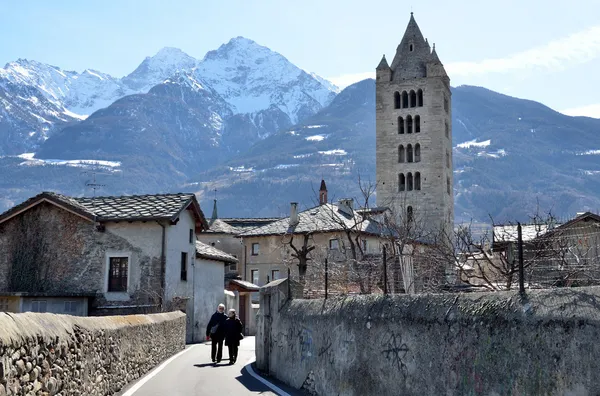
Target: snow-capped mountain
155,69
259,85
252,78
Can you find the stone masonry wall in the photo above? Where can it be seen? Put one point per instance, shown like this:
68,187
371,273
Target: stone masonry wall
479,344
47,354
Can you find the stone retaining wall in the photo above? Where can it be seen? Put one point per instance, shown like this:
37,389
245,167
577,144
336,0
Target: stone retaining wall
48,354
471,344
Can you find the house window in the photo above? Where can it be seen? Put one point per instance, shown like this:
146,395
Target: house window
117,274
38,306
184,257
334,244
3,304
274,275
70,306
254,276
191,236
255,249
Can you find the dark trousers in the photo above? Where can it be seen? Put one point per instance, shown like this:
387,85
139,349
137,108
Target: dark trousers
233,352
216,351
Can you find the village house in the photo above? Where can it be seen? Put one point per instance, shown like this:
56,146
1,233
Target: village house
110,255
303,241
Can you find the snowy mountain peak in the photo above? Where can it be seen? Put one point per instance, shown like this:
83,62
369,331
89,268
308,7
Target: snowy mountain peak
156,69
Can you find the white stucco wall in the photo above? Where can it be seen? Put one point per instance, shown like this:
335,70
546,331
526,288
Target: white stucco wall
208,278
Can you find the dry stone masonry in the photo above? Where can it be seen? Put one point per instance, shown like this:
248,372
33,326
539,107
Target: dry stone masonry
47,354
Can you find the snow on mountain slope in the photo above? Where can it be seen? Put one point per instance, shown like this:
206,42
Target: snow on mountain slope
154,70
253,78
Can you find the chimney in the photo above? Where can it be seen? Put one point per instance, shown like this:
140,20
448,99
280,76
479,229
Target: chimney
346,205
323,193
294,214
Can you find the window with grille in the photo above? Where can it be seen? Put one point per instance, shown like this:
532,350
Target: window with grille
70,306
334,244
117,274
255,249
254,276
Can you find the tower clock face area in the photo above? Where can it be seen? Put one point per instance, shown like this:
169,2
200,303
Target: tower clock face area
414,134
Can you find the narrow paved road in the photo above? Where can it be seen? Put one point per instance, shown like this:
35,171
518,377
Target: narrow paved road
192,374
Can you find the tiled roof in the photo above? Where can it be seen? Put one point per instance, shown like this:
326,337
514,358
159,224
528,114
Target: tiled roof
211,253
236,226
323,218
249,286
509,233
137,207
125,208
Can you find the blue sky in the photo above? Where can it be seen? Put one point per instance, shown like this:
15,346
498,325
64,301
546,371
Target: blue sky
547,51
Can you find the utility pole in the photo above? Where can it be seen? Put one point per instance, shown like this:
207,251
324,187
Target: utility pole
385,282
521,270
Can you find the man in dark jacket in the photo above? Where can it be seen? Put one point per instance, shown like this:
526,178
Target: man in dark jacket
216,331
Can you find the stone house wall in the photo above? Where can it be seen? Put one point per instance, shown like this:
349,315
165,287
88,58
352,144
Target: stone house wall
66,355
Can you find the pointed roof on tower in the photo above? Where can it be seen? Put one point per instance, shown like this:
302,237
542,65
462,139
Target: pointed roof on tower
214,216
412,53
434,56
383,64
323,186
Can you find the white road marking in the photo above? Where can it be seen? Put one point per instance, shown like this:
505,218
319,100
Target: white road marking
261,379
157,370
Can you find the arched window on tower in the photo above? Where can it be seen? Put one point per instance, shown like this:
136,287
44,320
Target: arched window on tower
447,129
420,98
401,155
417,181
417,124
409,153
401,182
404,100
396,100
417,152
400,126
413,99
409,214
409,122
409,182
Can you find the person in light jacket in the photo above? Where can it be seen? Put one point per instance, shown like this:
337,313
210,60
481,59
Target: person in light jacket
233,335
216,331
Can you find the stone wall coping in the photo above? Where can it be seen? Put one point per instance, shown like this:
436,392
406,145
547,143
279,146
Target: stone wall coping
16,328
565,304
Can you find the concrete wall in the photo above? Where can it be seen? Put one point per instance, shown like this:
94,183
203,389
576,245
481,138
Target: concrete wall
479,344
51,354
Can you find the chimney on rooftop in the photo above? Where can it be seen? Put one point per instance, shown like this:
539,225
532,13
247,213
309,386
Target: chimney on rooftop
323,193
346,205
294,214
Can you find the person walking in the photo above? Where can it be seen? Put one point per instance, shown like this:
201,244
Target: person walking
233,335
216,332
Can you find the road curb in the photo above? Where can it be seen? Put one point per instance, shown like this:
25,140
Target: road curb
271,386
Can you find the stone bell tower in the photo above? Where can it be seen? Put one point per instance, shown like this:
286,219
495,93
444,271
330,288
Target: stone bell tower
414,134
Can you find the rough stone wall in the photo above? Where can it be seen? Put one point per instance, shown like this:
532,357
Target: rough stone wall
47,354
479,344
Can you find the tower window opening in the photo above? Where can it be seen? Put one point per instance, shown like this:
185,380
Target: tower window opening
447,159
446,107
401,182
404,100
396,100
409,124
409,181
448,186
400,126
410,47
447,129
409,153
420,98
417,124
417,181
417,152
401,154
409,214
413,99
